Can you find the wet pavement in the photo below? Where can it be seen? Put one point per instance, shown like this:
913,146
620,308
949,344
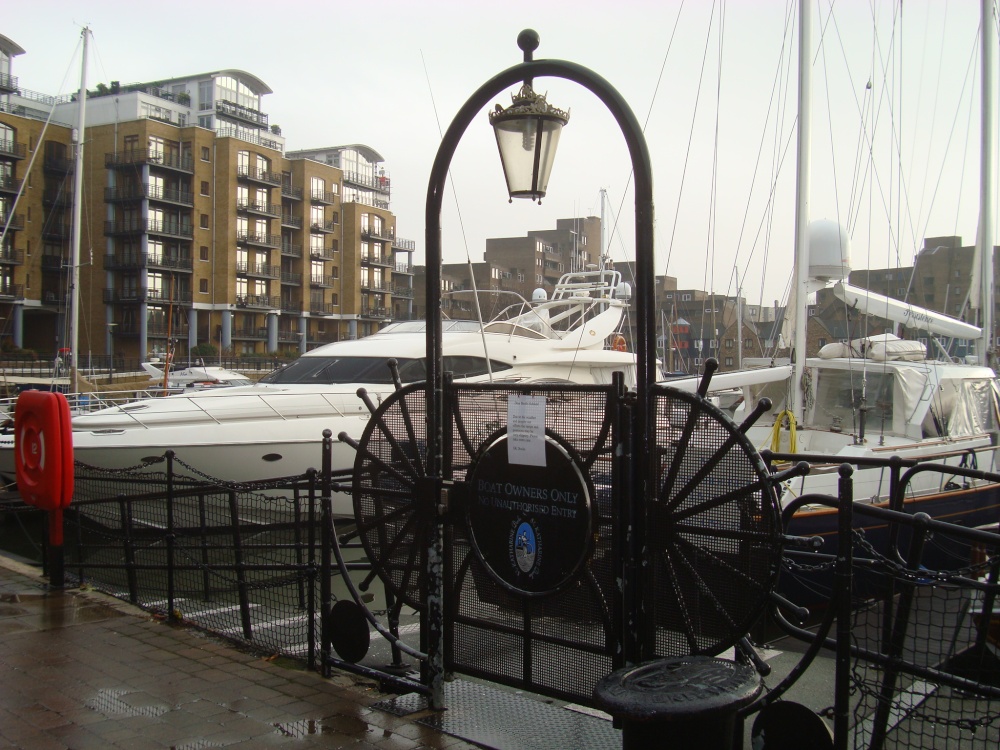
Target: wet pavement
79,670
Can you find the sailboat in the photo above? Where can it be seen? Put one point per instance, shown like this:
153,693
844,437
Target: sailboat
874,398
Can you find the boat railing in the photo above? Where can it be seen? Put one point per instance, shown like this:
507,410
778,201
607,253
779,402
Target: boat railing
86,403
234,407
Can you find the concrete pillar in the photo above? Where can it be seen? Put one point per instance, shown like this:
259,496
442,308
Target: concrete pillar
227,329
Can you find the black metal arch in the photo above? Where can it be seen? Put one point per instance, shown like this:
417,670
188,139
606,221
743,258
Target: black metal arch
645,287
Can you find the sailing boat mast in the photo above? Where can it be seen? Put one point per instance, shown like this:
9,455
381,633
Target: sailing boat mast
74,290
985,238
801,274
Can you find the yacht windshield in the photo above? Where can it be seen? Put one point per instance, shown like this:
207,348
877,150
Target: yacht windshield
331,370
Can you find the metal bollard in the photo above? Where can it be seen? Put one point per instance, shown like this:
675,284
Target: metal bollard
679,703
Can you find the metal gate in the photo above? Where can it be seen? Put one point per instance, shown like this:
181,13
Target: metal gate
556,572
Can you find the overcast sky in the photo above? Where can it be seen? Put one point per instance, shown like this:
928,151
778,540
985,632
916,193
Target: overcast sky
719,110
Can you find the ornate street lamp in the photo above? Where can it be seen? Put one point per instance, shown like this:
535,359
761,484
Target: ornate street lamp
527,136
527,177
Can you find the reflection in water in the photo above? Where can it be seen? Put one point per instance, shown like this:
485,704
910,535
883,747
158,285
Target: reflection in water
343,725
109,702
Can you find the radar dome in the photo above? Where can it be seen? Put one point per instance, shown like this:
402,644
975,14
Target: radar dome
829,251
539,295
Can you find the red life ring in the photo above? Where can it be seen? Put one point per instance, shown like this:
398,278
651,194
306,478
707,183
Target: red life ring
43,449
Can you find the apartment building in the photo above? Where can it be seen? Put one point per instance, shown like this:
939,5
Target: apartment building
538,259
198,228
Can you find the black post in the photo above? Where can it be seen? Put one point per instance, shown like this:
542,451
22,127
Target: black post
327,540
843,587
206,579
125,509
880,720
241,573
171,609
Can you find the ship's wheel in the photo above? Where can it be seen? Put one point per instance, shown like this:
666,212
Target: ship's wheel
714,528
391,521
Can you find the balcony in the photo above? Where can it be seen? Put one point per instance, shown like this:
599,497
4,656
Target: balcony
15,223
9,257
295,222
155,329
291,249
287,191
53,262
291,306
137,157
140,294
53,298
375,286
324,253
133,261
56,198
9,184
259,240
168,297
323,196
233,111
326,226
258,270
134,193
403,268
261,209
258,301
402,291
381,183
290,277
254,332
12,149
252,174
287,336
318,307
380,313
11,291
169,228
373,259
8,83
378,234
325,282
58,231
405,245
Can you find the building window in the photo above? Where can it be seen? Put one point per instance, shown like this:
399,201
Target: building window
729,343
204,187
335,300
206,154
729,361
203,252
203,286
822,343
204,221
685,298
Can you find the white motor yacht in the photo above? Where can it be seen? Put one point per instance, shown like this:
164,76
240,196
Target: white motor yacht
274,428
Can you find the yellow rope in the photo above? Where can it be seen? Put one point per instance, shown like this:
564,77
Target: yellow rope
776,432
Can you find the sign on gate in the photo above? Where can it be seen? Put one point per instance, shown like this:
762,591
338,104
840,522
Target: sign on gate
531,525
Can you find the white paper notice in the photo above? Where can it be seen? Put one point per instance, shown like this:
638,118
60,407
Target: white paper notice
526,430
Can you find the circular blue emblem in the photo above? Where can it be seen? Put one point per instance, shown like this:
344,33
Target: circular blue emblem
525,547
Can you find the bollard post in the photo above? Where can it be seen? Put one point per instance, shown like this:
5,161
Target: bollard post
692,700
